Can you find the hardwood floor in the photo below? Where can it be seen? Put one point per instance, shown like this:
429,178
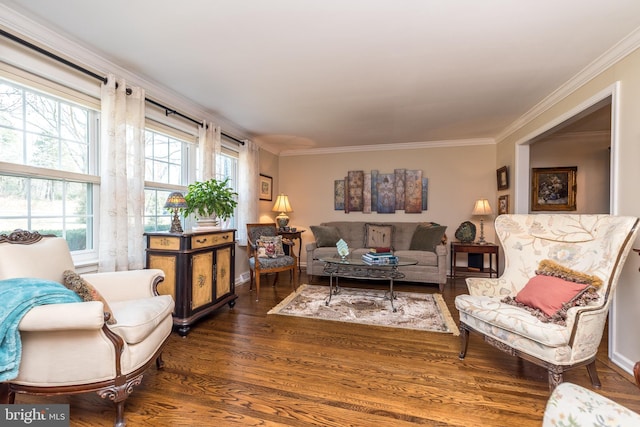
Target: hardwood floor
243,367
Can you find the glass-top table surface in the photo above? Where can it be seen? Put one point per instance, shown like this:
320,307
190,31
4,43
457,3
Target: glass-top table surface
356,260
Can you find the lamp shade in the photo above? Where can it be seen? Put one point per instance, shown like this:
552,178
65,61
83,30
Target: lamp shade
282,204
175,200
482,207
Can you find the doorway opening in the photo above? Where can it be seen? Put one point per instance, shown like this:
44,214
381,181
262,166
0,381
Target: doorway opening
583,137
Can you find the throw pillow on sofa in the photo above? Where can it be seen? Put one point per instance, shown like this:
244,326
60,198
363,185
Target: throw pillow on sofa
378,235
427,237
326,236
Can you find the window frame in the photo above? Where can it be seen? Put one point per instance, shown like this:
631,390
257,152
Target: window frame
61,95
187,169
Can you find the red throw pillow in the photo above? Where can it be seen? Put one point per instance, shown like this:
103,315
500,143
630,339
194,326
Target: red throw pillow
548,293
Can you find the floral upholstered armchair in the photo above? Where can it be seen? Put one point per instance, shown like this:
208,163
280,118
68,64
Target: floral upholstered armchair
572,405
550,304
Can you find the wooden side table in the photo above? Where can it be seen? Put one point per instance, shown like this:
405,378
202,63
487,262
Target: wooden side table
199,270
474,248
294,235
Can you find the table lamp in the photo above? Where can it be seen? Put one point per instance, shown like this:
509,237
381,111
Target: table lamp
481,209
174,203
282,205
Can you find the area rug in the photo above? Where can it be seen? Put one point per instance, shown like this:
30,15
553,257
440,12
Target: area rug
427,312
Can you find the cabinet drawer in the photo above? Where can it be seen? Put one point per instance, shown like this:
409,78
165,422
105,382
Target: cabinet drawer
206,240
164,242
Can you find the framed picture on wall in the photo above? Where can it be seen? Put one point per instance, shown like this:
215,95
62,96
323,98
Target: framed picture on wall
266,187
503,178
503,204
553,189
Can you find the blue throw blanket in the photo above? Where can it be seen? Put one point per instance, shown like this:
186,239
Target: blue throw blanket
17,297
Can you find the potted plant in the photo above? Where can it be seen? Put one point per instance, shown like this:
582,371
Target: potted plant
210,200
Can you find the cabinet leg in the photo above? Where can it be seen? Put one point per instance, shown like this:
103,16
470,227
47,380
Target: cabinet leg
183,331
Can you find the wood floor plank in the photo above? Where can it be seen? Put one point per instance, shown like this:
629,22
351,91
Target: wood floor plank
245,367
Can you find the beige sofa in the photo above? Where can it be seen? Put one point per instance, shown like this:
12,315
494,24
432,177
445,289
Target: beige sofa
431,267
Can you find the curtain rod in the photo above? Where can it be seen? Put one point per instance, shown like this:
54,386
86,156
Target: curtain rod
52,55
76,67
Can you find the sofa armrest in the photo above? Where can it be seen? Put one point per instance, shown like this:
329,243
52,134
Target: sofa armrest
125,285
310,247
59,317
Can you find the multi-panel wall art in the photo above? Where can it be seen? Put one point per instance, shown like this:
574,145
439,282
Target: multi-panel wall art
366,192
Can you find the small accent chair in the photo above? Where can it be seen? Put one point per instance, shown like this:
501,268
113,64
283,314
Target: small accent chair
591,244
261,265
69,348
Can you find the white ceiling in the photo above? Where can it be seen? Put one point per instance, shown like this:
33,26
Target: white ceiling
301,74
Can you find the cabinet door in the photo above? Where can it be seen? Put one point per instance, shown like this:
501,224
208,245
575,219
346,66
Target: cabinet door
223,272
166,263
202,279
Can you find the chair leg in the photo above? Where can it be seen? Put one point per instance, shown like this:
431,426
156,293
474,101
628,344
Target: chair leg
251,274
159,362
275,279
257,278
464,341
118,394
593,374
555,378
7,397
120,422
294,280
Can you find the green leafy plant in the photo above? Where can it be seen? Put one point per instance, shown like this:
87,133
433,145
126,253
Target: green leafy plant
210,198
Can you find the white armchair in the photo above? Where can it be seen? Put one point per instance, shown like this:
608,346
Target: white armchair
68,348
595,245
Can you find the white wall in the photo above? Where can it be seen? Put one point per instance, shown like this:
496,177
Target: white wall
590,153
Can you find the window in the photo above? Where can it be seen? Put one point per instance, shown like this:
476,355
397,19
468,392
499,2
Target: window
48,178
229,169
166,170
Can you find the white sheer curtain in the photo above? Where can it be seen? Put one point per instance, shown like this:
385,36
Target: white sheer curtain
122,177
249,165
210,143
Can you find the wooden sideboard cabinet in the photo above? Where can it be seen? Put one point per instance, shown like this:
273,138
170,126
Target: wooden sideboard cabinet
199,272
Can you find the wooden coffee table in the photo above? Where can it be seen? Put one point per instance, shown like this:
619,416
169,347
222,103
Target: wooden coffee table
356,268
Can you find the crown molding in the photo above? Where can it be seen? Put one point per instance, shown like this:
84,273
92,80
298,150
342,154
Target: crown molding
390,147
63,45
619,51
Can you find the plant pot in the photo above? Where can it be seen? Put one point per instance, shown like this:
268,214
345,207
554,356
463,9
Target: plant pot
204,224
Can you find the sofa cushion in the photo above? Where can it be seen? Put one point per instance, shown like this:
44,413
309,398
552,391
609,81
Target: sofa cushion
426,237
325,235
87,292
518,325
378,235
423,257
139,317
